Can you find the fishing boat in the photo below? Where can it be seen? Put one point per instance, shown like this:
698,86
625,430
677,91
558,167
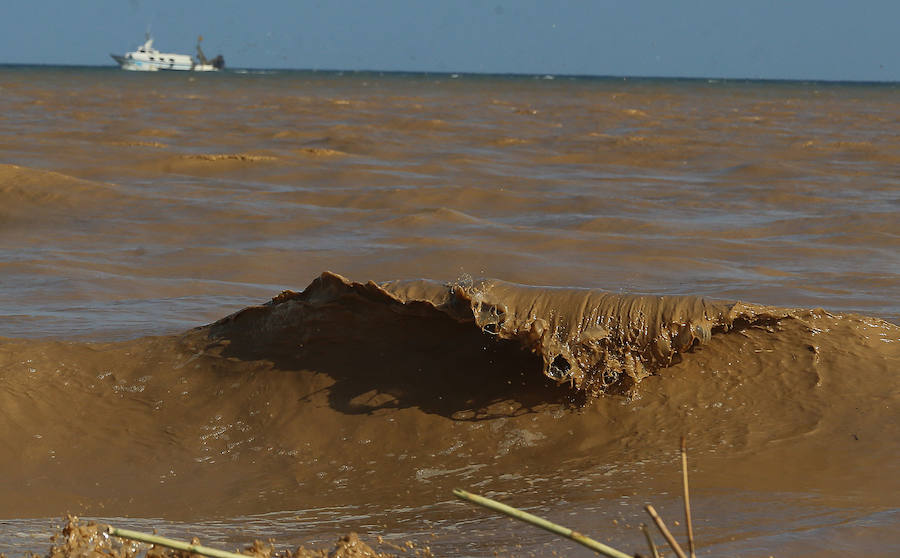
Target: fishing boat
148,59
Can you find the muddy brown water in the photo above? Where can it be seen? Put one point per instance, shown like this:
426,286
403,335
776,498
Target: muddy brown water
526,288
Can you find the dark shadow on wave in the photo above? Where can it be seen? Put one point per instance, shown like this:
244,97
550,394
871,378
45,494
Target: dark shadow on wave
384,354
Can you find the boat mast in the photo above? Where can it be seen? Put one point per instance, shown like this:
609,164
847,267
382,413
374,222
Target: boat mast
200,56
148,40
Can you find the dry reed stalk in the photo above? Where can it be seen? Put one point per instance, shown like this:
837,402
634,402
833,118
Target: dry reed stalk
542,523
665,531
650,543
687,499
170,543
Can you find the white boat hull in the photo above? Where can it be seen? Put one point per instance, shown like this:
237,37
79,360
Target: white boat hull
136,65
148,59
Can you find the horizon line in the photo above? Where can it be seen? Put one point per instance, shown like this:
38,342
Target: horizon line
456,74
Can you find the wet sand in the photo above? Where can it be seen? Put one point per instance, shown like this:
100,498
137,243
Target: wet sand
524,288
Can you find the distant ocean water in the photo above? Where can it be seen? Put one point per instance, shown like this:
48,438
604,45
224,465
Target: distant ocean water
516,285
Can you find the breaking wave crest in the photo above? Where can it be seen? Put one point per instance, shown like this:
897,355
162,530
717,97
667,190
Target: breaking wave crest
593,340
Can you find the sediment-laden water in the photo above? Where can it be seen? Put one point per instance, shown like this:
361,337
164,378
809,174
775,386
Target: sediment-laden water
294,305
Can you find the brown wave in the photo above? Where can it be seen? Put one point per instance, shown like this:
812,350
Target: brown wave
435,216
202,164
592,340
319,152
353,393
154,144
28,194
240,157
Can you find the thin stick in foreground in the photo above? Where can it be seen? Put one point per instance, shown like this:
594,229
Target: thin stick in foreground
665,531
687,499
171,543
653,550
542,523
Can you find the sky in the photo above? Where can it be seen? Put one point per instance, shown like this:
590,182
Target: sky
840,40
